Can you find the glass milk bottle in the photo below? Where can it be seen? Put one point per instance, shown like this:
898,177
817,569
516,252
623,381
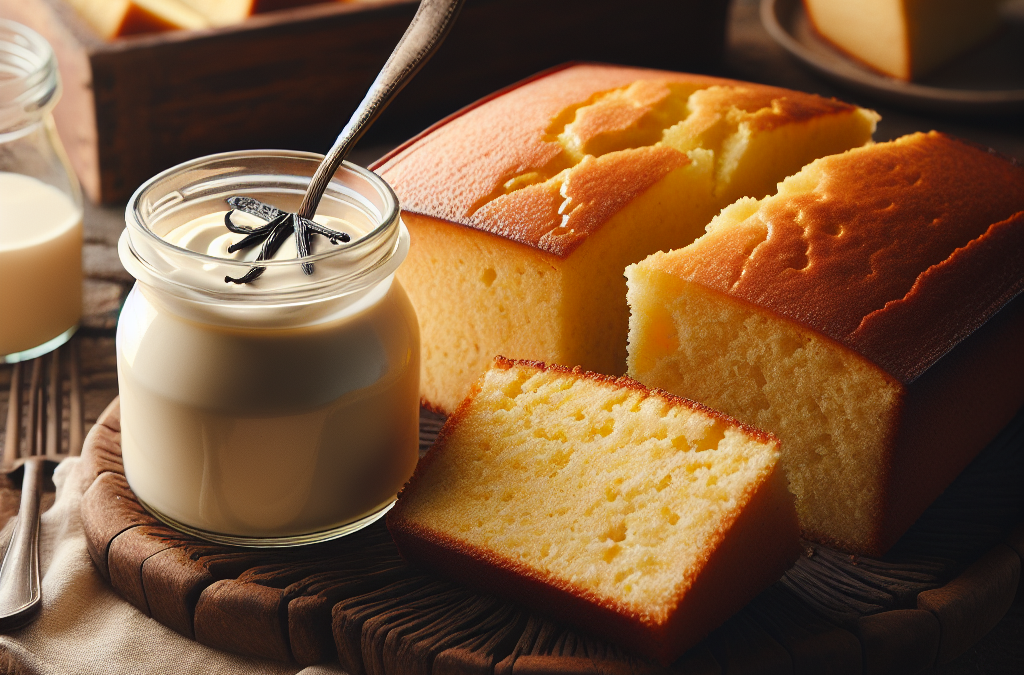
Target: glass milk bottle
40,204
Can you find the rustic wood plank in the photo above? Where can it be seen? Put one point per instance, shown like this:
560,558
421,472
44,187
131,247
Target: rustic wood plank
101,453
969,606
900,582
101,449
227,563
546,646
125,557
815,645
417,651
365,562
108,509
309,613
71,39
406,644
349,616
458,661
395,623
173,581
535,633
247,619
900,641
742,647
479,654
550,664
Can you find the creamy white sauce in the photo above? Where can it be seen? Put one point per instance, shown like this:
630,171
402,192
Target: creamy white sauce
208,235
266,432
40,262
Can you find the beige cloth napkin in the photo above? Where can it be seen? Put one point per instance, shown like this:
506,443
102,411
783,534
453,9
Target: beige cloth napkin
85,628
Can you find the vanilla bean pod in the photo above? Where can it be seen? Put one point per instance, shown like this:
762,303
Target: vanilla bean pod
280,224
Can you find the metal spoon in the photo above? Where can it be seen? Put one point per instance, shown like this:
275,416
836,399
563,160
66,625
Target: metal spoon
39,452
429,27
424,35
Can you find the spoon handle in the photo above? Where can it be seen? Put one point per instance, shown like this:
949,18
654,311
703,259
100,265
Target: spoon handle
422,38
20,598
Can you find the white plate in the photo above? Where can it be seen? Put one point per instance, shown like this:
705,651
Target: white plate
989,80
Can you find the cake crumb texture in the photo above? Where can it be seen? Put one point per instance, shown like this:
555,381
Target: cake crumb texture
856,305
603,492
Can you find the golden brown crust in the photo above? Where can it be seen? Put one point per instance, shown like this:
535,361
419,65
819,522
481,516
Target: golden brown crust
892,336
595,191
458,171
950,414
753,552
876,255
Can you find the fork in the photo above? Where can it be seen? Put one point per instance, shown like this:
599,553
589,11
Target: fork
39,451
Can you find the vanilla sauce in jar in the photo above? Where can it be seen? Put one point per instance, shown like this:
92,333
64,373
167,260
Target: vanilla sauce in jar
279,412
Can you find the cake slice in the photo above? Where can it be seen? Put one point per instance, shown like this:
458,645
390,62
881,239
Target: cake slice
525,208
869,315
904,38
642,517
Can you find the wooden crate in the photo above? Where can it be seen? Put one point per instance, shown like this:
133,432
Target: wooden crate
137,105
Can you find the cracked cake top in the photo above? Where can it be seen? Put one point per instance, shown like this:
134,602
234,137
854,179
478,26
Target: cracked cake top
897,250
548,162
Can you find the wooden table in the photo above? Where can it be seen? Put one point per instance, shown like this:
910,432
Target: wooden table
751,55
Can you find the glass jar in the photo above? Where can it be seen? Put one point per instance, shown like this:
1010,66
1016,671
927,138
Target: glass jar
276,413
40,204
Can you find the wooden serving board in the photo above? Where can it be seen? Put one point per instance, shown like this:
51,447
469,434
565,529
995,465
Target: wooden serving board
945,584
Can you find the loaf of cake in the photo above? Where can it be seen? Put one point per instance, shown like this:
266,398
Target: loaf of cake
869,315
227,12
525,209
114,18
904,38
642,517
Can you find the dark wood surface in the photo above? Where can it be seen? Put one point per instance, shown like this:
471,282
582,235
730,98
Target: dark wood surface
140,104
946,584
752,55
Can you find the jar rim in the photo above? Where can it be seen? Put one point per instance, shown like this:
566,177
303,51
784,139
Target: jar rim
28,60
377,249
